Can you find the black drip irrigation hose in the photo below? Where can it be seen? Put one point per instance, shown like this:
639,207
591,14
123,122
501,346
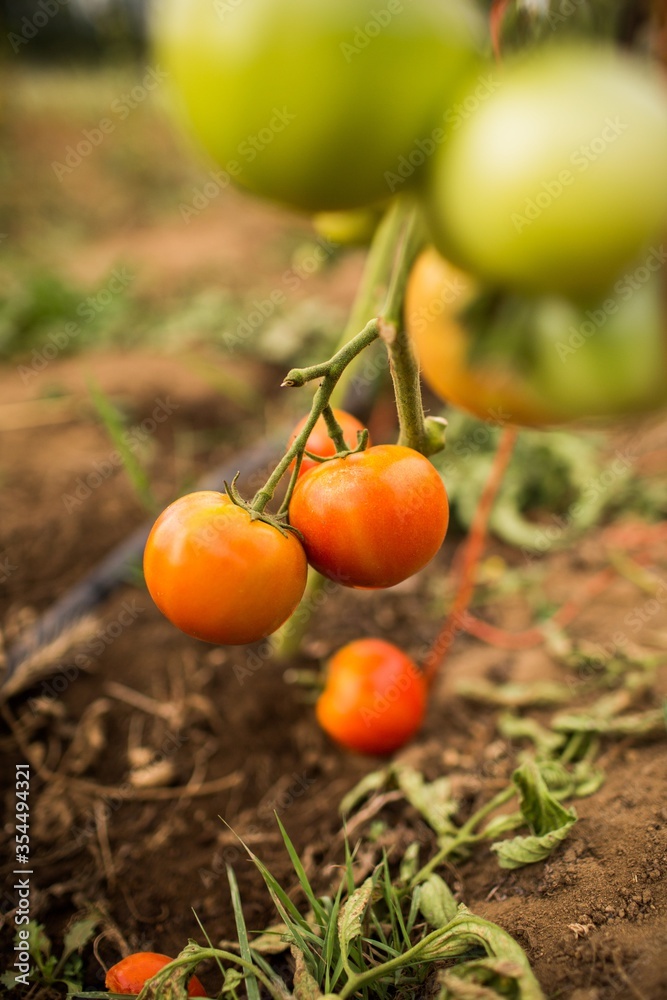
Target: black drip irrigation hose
114,570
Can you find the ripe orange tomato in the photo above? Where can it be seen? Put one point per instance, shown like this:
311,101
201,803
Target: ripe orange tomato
375,697
436,295
371,519
319,442
220,576
131,973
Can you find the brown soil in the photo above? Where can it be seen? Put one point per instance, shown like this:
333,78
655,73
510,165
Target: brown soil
593,919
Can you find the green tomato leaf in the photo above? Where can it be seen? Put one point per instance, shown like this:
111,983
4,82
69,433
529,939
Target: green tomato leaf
522,851
370,783
432,799
549,821
349,921
409,863
80,933
436,901
542,811
487,979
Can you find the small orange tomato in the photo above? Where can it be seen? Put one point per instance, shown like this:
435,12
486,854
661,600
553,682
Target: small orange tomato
375,697
131,973
319,442
371,519
220,576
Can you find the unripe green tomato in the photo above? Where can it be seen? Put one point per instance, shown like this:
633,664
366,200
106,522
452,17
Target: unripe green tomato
607,359
541,360
311,102
558,180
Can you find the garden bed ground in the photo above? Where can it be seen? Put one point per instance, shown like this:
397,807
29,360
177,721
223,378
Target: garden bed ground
593,918
226,736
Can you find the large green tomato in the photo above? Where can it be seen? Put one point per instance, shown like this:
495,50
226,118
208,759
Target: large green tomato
558,180
607,359
538,360
320,104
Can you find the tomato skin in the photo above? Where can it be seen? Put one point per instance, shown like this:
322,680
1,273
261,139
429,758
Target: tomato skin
219,576
566,363
373,518
319,442
131,973
557,181
299,102
375,697
436,294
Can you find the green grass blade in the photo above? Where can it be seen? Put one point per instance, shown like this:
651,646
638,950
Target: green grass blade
318,910
117,431
252,986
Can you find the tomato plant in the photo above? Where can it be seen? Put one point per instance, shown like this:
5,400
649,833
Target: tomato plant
373,518
319,442
557,361
312,103
131,973
557,181
375,697
219,575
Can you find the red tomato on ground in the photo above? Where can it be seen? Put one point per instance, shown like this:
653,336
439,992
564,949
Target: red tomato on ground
130,974
319,442
371,519
375,697
219,576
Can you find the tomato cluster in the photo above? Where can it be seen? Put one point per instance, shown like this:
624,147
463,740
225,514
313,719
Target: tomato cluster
370,519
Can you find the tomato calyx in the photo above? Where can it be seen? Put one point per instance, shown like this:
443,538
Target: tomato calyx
277,521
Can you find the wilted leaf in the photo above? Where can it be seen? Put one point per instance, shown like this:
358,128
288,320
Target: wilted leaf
522,851
410,863
542,811
305,987
432,799
487,979
80,933
349,921
369,783
436,901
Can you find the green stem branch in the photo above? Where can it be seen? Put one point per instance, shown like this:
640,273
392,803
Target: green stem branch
330,372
